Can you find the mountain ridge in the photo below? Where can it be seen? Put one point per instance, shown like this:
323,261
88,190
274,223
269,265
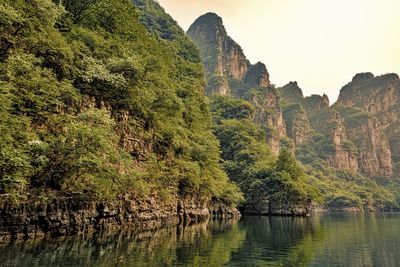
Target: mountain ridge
343,137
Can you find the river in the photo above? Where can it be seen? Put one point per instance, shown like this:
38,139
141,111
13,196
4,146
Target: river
326,239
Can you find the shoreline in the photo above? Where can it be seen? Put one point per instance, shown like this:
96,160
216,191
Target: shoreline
69,216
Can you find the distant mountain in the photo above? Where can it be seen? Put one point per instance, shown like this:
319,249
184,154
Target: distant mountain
351,148
362,125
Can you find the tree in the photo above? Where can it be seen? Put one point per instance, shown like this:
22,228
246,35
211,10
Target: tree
287,163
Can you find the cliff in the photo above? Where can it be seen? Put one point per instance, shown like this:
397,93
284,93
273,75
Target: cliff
229,73
377,135
298,126
362,125
72,215
292,93
222,56
101,102
341,146
343,154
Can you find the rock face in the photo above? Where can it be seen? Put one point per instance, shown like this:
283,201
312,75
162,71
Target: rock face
344,154
229,73
363,125
297,110
378,135
67,216
297,124
257,75
316,103
222,56
269,114
375,156
292,93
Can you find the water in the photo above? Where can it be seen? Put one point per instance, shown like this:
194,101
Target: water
322,240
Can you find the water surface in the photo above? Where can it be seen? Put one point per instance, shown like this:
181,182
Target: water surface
371,239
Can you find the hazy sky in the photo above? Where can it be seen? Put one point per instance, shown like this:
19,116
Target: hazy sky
319,43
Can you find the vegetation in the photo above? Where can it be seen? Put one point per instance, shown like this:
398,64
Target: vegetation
93,104
343,188
261,175
101,98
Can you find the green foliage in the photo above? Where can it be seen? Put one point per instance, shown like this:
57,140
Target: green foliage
353,116
92,103
286,163
14,163
224,108
348,189
159,23
318,147
250,163
81,155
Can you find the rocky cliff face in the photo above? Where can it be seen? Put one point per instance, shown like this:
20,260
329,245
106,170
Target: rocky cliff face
221,55
378,134
316,103
257,75
362,125
229,73
297,109
374,154
297,124
343,153
292,93
68,216
269,114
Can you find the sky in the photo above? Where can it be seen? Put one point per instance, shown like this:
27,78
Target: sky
321,44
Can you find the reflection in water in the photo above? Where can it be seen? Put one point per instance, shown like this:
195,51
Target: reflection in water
321,240
278,241
361,240
198,245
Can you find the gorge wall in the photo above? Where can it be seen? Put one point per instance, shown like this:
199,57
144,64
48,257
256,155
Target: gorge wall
361,130
362,125
377,99
229,73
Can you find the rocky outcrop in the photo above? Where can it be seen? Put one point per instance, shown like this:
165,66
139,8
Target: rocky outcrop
72,215
343,154
269,114
374,154
292,93
229,73
362,126
221,55
376,133
316,103
257,76
297,124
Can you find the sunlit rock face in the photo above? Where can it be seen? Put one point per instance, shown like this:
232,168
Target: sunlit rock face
229,73
363,125
377,99
221,55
